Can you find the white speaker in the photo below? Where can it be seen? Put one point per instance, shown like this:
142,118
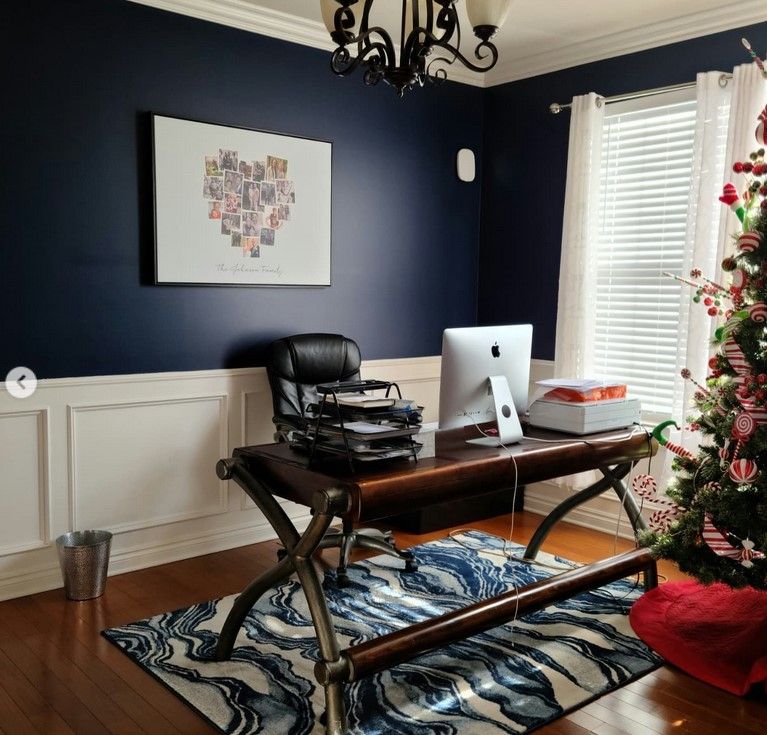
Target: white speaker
466,165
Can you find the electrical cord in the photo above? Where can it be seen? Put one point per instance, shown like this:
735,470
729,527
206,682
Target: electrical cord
506,552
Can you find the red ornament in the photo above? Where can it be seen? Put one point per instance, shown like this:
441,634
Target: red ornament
749,241
748,167
729,194
713,311
713,362
761,378
743,426
743,471
739,279
737,167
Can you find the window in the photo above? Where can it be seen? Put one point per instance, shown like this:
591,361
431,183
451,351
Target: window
645,177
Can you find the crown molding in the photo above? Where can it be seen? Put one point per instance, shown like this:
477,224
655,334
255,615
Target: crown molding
685,28
248,16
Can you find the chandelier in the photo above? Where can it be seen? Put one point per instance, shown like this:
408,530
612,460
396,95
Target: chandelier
426,26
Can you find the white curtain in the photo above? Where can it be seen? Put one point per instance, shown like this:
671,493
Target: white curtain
704,214
576,303
577,268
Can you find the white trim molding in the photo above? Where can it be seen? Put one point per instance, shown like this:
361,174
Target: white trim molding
248,16
73,426
41,450
639,38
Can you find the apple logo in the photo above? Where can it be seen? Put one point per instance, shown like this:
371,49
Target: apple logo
495,350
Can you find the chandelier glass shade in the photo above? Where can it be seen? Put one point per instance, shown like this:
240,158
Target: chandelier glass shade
426,28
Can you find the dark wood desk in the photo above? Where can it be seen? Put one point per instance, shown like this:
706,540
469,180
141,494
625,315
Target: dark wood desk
378,490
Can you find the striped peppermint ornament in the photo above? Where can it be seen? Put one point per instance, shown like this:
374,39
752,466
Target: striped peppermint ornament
739,279
743,426
748,553
749,241
758,312
743,471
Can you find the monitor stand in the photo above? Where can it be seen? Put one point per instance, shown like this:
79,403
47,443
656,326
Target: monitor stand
509,429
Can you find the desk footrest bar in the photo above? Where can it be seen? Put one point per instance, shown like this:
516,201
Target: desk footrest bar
403,645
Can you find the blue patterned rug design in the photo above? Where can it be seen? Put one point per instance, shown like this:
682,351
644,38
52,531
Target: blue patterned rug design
511,679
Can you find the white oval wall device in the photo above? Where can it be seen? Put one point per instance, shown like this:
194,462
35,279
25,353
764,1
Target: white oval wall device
465,164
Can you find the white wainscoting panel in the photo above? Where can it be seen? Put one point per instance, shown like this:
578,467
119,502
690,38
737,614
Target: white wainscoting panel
136,455
24,496
148,463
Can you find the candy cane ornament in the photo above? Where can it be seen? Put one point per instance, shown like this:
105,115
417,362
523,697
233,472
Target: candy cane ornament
646,488
678,449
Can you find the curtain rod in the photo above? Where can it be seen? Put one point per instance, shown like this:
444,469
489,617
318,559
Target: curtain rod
555,108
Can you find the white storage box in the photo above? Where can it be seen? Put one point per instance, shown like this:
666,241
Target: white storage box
585,418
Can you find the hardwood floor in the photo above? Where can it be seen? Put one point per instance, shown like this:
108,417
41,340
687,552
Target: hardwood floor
58,675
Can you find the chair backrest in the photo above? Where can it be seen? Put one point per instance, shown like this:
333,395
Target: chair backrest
296,365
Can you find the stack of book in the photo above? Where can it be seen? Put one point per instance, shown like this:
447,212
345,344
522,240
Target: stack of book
583,406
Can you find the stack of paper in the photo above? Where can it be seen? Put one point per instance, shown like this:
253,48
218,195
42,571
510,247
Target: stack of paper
579,390
583,406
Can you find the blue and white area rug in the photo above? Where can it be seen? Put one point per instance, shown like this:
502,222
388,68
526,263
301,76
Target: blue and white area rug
512,679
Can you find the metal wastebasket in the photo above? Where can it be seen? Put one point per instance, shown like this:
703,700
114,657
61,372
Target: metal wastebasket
84,560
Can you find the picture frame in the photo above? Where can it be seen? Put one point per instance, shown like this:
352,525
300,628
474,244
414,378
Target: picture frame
235,206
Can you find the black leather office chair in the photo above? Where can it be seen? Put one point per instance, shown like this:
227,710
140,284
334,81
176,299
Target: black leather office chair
295,366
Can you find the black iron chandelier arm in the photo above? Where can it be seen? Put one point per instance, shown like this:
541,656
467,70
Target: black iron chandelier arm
458,56
381,51
447,22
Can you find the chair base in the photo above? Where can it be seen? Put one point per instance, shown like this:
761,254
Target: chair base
361,538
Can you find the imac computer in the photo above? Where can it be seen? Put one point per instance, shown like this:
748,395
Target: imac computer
485,376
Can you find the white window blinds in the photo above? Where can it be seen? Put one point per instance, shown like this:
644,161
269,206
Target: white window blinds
647,147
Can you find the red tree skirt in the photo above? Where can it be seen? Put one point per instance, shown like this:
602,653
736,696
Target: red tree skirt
715,633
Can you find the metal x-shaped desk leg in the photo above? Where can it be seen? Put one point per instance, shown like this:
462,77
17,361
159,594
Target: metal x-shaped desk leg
611,478
327,504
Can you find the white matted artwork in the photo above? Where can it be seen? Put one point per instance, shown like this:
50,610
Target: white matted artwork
239,207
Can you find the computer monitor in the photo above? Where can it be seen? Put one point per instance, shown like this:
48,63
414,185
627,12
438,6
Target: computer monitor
485,376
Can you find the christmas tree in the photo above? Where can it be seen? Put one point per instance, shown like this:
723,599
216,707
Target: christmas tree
715,523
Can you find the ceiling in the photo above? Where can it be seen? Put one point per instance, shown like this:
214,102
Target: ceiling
539,35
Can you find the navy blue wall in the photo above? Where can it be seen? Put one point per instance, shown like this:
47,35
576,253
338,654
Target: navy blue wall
525,150
76,293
